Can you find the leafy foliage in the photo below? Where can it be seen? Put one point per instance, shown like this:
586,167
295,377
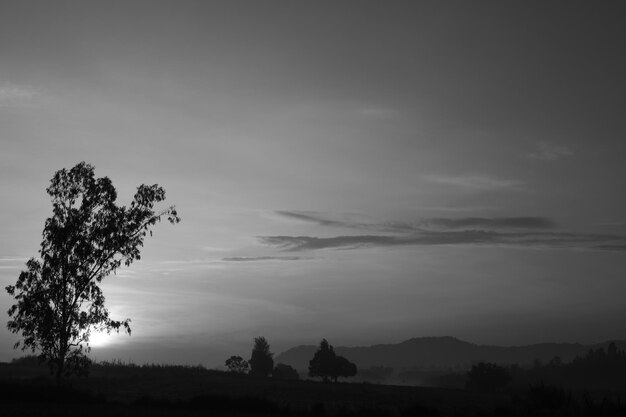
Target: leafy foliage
326,364
322,363
487,377
237,364
343,368
59,302
283,371
261,362
601,368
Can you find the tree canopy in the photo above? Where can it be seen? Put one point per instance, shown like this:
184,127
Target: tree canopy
343,368
487,377
59,302
284,371
326,364
261,362
237,365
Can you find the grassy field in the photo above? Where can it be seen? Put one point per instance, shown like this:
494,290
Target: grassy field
192,391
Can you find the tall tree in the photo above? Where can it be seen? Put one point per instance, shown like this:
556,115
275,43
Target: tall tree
59,302
261,362
326,364
323,362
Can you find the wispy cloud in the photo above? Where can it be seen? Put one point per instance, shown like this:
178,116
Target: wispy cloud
9,262
613,224
349,221
527,231
550,152
612,247
490,223
313,217
476,182
260,258
12,259
13,95
477,237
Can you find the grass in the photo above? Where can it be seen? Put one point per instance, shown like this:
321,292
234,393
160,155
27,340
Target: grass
158,390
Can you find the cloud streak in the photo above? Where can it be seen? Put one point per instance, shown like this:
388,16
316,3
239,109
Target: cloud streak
509,231
260,258
490,223
476,237
476,182
536,232
460,223
13,95
550,152
313,217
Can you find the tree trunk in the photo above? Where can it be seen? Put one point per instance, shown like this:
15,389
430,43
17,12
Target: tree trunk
60,368
60,360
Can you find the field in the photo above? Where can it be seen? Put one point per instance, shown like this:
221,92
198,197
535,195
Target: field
172,390
128,390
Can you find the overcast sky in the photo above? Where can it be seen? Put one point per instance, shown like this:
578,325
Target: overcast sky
361,171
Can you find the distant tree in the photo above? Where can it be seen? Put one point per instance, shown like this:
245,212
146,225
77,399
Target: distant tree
261,361
237,364
555,362
323,363
59,302
343,368
28,360
487,377
326,364
283,371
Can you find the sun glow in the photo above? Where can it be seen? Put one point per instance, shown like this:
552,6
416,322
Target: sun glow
100,339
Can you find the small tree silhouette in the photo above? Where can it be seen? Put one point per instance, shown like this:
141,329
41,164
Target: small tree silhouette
343,368
283,371
322,364
326,364
237,364
59,301
487,377
261,361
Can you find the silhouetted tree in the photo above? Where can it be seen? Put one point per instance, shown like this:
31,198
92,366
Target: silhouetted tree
323,362
28,360
261,361
58,298
283,371
326,364
237,365
555,362
487,377
343,368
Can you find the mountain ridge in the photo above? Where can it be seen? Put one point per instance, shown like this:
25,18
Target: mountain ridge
443,352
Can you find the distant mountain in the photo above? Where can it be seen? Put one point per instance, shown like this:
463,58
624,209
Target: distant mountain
442,352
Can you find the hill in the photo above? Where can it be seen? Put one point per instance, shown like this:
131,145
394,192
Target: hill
442,353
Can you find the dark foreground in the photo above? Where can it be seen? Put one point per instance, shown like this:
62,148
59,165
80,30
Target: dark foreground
194,391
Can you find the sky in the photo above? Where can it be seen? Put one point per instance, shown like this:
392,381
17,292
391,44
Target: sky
361,171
